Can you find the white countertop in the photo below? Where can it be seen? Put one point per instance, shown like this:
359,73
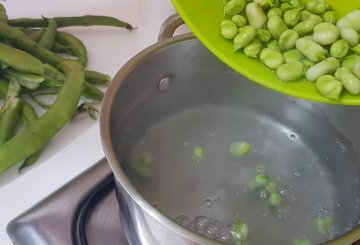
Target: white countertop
78,145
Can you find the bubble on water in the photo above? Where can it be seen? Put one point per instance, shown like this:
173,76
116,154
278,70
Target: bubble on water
263,194
278,178
200,223
323,210
225,234
212,229
182,220
209,202
283,191
283,212
186,143
338,205
218,201
341,145
292,136
164,83
297,172
356,180
357,200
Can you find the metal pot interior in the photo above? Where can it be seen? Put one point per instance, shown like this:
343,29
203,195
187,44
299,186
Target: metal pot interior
175,97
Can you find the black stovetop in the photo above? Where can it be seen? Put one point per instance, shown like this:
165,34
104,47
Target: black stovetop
84,211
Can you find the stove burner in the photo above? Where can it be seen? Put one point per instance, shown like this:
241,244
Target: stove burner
82,212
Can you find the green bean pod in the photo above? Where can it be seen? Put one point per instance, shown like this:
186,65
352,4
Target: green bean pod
292,16
325,67
233,7
349,80
245,36
40,133
350,36
339,49
228,29
293,55
70,40
36,35
351,20
288,39
29,116
276,26
86,20
96,77
239,20
271,58
325,33
10,112
304,27
48,39
290,71
253,49
310,49
20,60
255,15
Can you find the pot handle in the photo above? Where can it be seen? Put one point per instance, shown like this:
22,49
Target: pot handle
169,26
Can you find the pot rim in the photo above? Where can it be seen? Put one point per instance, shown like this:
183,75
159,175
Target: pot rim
125,70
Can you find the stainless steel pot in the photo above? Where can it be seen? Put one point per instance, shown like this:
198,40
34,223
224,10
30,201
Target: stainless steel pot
179,75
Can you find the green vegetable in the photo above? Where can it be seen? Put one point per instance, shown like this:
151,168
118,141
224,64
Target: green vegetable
253,49
276,26
233,7
29,81
198,153
271,58
228,29
271,186
290,71
240,148
339,49
10,112
329,87
304,27
72,41
324,225
48,38
310,49
40,133
240,232
325,67
245,36
356,67
349,80
350,36
351,20
274,45
325,33
292,16
302,242
275,199
288,39
86,20
317,6
329,16
263,35
143,166
259,181
255,15
293,55
239,20
20,60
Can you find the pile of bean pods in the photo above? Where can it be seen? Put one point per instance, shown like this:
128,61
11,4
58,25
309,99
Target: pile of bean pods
37,59
298,39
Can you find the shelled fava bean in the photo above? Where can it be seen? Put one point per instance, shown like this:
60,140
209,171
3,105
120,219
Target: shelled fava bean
298,40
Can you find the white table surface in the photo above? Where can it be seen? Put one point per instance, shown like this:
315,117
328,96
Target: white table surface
78,145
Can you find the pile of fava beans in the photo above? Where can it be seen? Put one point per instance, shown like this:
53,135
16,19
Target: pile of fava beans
298,39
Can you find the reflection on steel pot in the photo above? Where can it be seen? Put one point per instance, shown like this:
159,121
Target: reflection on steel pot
175,97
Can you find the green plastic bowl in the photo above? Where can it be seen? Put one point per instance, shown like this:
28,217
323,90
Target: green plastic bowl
203,18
